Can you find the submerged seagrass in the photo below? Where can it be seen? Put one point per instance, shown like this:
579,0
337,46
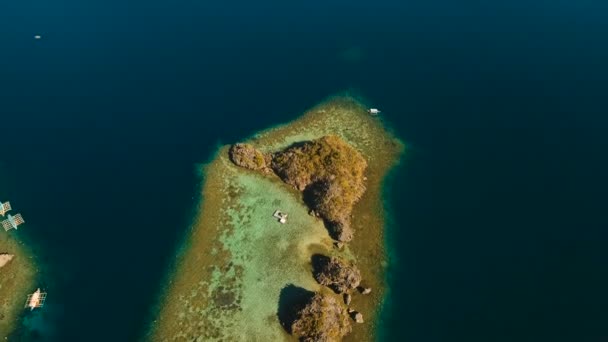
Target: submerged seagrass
235,277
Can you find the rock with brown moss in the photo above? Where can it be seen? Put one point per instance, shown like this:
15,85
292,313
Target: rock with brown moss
331,174
247,156
341,231
336,273
322,319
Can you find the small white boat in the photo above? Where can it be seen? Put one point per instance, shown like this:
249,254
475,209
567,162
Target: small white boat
35,300
37,37
281,216
374,111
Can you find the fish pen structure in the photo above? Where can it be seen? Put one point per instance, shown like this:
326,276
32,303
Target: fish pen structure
5,207
12,222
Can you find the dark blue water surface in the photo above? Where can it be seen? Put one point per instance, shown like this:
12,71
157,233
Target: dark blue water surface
499,209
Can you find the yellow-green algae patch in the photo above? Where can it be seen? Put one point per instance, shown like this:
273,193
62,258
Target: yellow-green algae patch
17,279
228,280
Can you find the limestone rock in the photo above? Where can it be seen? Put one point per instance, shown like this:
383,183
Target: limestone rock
323,318
347,298
247,156
365,290
5,258
341,231
356,316
329,171
336,273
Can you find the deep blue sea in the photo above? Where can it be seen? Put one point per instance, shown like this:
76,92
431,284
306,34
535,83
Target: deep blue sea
499,226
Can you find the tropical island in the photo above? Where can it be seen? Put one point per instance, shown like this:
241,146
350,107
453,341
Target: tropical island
288,241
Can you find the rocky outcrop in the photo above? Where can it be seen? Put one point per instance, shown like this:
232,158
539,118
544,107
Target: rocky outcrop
365,290
341,231
335,273
347,298
5,258
330,172
356,316
247,156
323,319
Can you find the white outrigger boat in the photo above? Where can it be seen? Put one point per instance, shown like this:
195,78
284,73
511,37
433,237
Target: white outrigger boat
374,111
281,216
35,300
5,207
